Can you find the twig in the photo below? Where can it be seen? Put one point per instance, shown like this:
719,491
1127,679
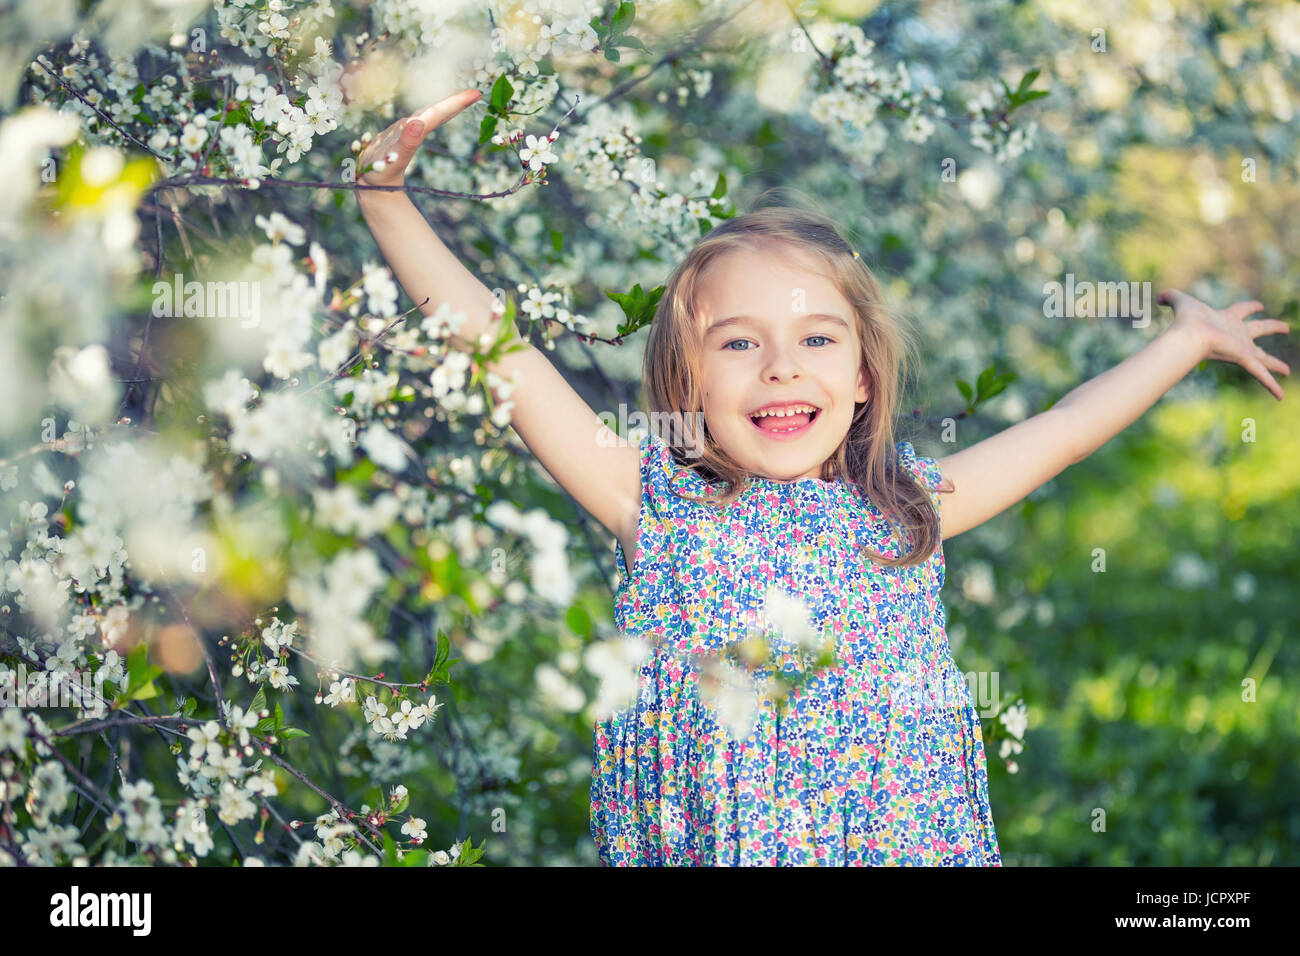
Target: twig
668,58
321,665
158,256
91,789
131,720
182,181
344,813
284,823
346,366
98,112
811,42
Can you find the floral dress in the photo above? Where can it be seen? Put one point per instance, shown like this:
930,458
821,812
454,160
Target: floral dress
876,761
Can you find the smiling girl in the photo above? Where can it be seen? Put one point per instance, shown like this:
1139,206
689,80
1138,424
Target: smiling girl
775,331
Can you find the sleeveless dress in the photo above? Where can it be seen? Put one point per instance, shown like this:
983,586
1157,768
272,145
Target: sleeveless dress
877,761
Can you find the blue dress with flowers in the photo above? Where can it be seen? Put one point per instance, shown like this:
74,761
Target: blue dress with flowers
878,760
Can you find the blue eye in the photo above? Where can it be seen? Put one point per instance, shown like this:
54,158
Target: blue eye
746,342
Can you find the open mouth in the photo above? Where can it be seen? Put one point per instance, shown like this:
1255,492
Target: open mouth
785,422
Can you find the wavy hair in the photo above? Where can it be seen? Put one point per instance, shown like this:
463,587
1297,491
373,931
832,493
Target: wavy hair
867,455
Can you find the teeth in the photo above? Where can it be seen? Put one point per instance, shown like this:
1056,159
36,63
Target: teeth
785,412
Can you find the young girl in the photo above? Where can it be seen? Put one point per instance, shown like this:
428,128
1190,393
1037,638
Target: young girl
773,331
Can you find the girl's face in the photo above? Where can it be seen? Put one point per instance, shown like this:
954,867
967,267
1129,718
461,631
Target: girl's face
777,337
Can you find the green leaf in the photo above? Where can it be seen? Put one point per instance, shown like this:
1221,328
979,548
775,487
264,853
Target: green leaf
139,679
557,240
623,17
720,187
259,701
188,708
487,129
146,691
469,854
416,858
626,299
965,390
612,54
1022,93
1029,97
293,733
631,43
990,383
578,621
638,306
650,303
279,717
440,673
390,850
402,804
502,92
136,663
997,387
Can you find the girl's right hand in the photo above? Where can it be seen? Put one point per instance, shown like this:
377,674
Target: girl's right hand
403,138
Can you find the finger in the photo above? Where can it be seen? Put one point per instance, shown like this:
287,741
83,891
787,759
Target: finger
434,116
1272,361
413,131
1239,310
1261,373
1257,327
399,142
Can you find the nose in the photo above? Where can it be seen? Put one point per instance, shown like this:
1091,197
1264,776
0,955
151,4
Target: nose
782,365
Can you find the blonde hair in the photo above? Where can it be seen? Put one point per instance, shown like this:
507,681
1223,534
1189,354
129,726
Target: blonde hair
867,455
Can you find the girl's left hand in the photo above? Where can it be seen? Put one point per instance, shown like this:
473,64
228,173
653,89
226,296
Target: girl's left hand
1227,336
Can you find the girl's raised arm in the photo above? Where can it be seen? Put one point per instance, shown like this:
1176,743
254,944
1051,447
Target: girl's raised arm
994,474
590,461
